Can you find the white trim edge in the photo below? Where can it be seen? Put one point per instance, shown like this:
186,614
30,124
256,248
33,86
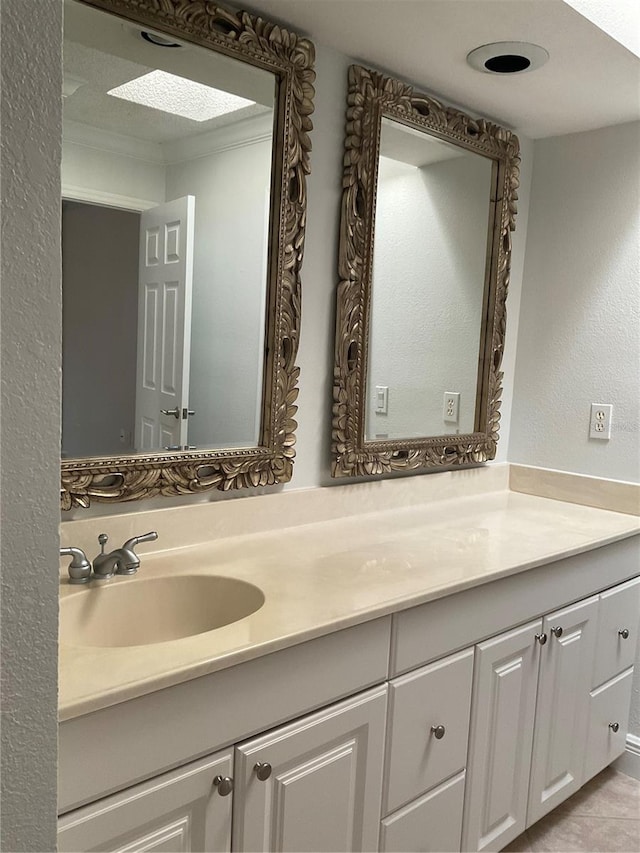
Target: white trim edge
93,196
629,761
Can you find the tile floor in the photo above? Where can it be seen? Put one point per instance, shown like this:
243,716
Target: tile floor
602,817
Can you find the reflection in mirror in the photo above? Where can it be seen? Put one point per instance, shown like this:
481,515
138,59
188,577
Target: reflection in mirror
428,207
185,159
167,157
427,289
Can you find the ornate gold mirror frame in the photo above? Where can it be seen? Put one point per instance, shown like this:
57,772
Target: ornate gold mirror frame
290,58
372,96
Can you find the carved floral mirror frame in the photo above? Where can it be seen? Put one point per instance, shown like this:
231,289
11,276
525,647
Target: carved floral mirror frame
371,97
290,58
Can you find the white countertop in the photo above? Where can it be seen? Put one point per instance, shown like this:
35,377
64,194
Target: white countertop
321,577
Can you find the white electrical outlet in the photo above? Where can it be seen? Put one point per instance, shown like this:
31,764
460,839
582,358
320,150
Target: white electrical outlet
451,407
600,422
382,399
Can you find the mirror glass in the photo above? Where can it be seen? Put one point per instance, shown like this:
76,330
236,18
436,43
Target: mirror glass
166,176
428,207
432,218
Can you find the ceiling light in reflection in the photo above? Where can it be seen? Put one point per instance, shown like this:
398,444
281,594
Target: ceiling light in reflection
179,96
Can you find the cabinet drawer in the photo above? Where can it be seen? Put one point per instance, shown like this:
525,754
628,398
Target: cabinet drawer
430,824
619,612
436,695
178,811
609,705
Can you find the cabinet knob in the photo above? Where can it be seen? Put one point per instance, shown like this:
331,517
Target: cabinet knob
541,638
263,770
438,732
614,727
624,633
224,784
557,631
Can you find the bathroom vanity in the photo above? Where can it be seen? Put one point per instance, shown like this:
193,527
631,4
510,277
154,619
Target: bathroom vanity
424,684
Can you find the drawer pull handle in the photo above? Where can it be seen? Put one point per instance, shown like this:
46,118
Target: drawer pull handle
263,770
614,726
224,784
624,633
438,732
541,638
557,632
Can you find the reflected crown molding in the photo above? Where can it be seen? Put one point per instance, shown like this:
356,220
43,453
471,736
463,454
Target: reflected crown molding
245,132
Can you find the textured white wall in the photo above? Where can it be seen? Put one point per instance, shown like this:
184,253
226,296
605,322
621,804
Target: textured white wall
229,279
30,64
428,283
99,171
579,337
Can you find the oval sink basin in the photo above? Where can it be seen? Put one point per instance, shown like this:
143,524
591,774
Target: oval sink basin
137,612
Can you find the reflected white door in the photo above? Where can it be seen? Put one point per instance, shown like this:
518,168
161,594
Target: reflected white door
164,324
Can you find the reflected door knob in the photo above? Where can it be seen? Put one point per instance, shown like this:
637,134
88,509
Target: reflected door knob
263,770
624,633
224,784
614,726
175,412
438,732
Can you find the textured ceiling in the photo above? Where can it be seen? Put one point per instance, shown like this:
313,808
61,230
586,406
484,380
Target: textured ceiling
590,81
102,52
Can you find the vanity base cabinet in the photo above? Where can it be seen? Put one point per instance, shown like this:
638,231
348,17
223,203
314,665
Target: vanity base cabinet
502,721
315,784
174,813
430,824
562,709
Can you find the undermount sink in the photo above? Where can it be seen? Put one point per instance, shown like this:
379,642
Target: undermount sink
141,611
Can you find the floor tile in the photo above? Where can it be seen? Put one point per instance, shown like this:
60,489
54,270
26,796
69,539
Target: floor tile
566,834
519,845
603,817
609,794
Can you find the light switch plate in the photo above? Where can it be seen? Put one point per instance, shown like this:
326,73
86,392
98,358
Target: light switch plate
382,399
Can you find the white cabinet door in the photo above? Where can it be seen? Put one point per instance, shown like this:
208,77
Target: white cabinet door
177,812
322,787
562,711
502,719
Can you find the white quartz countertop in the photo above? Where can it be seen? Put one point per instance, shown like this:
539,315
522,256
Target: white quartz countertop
318,578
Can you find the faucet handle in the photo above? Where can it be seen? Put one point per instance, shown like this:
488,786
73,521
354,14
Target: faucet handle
130,544
79,567
129,560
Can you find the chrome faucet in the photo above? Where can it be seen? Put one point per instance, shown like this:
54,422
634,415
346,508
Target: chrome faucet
79,567
122,561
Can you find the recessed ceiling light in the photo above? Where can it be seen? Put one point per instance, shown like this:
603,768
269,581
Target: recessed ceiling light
159,41
179,96
507,57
